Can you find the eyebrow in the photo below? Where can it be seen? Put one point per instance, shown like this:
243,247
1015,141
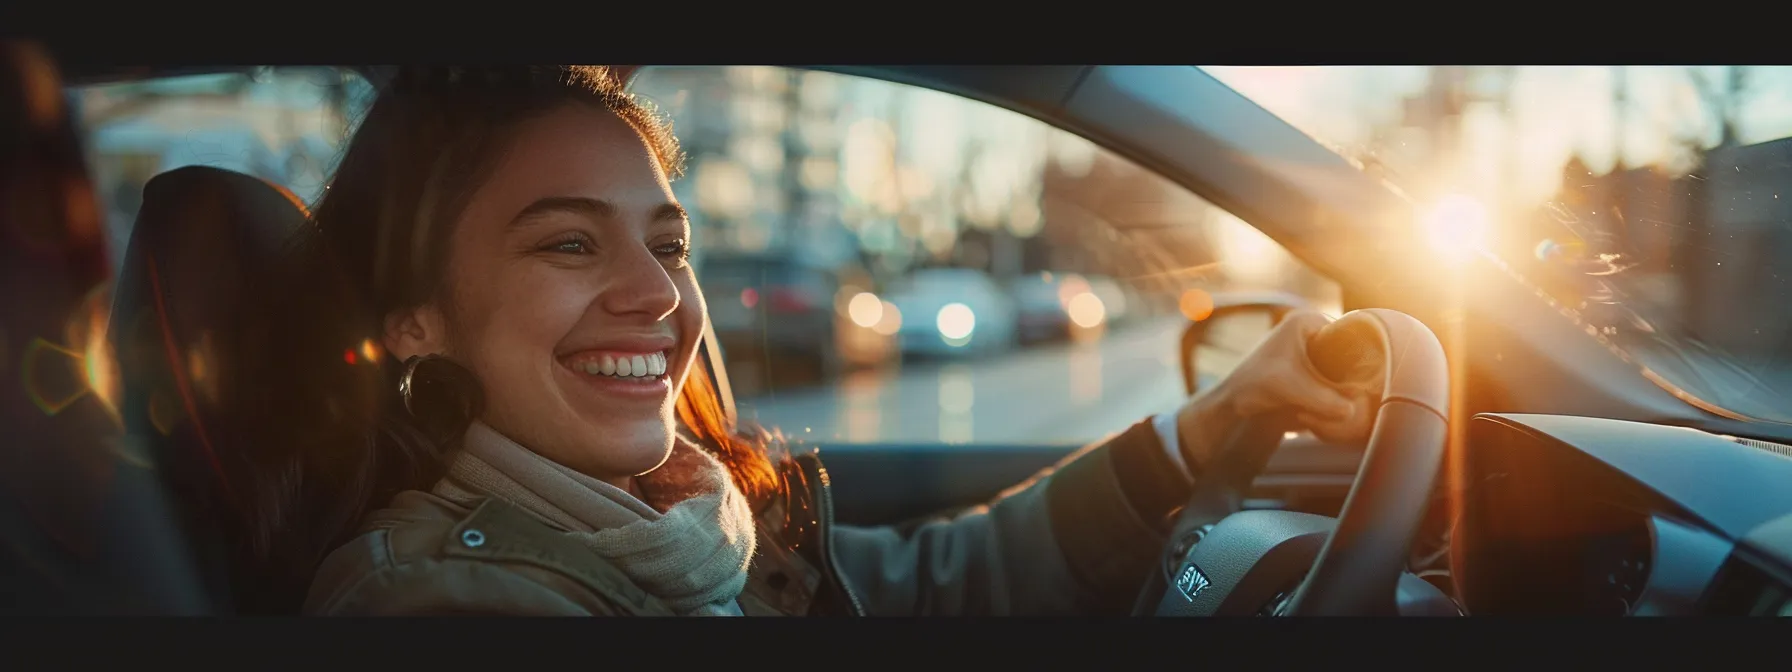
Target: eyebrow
595,208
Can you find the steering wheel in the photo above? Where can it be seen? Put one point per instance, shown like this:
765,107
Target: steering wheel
1223,561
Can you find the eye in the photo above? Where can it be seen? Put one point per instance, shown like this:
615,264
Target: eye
678,250
573,243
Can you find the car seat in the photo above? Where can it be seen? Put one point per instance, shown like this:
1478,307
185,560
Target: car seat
199,237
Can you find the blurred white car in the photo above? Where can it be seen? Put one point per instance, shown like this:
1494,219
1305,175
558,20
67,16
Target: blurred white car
952,312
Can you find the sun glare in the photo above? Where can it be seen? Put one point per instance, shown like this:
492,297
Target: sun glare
1456,227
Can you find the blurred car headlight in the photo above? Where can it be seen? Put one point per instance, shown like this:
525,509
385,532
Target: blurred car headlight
865,309
955,321
1086,310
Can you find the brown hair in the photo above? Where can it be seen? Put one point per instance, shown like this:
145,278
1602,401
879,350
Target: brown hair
341,440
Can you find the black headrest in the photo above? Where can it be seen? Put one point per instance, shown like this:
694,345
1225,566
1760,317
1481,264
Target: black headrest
201,237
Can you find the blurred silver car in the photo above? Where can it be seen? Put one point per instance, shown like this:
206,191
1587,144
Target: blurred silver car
952,312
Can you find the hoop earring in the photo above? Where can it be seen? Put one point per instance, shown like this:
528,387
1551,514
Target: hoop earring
441,396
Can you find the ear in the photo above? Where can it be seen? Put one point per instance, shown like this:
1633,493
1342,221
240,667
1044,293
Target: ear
415,331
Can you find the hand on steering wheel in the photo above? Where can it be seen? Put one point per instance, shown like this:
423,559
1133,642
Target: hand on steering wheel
1278,377
1375,373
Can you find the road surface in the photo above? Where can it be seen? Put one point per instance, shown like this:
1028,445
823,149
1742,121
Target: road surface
1067,393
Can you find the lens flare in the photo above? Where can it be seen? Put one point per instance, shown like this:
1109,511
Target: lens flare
99,363
54,376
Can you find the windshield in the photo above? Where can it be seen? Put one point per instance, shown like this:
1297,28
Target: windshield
1653,203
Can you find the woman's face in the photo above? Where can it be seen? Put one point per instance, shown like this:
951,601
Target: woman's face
571,297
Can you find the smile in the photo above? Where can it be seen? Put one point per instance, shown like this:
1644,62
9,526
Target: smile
619,365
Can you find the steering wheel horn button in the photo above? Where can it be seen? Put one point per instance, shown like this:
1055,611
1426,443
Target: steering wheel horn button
1247,558
1191,581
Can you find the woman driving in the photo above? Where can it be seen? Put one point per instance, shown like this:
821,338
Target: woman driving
530,430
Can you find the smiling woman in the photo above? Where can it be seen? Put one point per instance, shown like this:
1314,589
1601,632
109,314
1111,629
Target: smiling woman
518,247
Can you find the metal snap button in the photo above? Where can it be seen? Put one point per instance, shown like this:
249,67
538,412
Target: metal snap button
472,538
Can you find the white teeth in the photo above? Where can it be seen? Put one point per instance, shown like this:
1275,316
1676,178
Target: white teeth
628,366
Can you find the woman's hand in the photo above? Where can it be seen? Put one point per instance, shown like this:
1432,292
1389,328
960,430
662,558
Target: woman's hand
1276,376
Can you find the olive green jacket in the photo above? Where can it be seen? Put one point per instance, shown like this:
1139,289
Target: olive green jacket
1078,538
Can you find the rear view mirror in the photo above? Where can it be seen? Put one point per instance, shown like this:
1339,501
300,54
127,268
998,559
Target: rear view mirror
1214,344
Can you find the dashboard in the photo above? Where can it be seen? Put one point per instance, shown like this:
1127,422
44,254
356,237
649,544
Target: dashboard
1564,515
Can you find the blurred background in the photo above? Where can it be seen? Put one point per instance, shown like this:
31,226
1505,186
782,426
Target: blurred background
886,263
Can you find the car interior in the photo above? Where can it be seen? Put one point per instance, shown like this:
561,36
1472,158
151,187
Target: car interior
1519,467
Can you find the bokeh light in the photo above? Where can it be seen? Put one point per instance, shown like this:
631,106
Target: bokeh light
889,320
1196,304
956,322
1072,286
865,309
1086,311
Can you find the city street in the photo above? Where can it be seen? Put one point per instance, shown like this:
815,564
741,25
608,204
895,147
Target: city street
1061,393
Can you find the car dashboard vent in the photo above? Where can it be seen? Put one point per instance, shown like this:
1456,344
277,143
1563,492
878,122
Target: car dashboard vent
1782,449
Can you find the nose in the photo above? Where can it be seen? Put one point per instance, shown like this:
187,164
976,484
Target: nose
639,285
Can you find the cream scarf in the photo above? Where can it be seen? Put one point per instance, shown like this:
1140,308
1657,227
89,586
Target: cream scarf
688,544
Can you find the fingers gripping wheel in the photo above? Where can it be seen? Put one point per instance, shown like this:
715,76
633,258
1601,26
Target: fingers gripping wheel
1348,352
1244,559
1364,344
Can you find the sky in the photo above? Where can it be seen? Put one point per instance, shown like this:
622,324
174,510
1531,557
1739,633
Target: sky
1553,113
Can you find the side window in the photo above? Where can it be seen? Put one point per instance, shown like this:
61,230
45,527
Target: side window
885,263
284,125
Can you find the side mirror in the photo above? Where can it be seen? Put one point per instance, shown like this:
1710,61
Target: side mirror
1214,344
